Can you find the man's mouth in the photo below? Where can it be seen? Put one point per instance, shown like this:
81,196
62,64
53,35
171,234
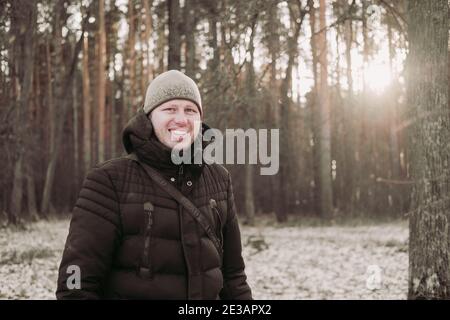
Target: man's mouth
177,135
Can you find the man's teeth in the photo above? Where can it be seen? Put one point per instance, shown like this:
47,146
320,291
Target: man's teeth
179,132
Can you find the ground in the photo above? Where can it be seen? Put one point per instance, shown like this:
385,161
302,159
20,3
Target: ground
284,262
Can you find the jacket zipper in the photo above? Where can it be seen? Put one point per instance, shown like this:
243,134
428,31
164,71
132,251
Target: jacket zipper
180,213
180,175
146,263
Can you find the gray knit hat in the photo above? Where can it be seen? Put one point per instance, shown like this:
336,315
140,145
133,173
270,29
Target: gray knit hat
171,85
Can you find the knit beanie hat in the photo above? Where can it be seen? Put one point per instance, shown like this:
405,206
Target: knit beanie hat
171,85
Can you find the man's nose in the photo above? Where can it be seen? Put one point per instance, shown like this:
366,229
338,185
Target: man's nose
180,117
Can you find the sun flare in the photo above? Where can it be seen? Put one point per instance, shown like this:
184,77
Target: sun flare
377,77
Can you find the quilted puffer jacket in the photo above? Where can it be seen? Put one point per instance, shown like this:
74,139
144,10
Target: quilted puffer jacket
126,251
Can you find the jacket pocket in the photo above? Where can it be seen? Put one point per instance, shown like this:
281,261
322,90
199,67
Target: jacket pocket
145,267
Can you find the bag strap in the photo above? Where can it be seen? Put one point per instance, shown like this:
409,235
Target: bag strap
180,198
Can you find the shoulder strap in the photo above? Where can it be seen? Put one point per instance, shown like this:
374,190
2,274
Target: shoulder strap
185,202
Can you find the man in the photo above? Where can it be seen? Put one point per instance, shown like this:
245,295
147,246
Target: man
130,239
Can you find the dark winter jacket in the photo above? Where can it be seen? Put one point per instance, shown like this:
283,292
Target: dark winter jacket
110,230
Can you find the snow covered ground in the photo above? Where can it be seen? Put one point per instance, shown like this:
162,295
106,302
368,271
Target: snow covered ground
336,262
291,262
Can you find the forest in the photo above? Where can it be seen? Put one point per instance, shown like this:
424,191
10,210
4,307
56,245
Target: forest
358,89
73,73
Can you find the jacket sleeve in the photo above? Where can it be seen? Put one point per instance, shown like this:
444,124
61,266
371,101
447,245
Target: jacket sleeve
93,235
235,285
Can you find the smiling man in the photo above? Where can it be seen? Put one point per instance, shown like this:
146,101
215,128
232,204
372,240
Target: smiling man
146,228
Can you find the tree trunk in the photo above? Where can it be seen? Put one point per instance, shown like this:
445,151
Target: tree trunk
76,153
347,169
142,57
56,72
249,198
87,149
325,187
285,90
190,21
148,35
112,89
213,39
348,36
338,134
101,82
161,45
367,144
17,193
394,152
23,35
173,7
51,107
63,103
273,112
31,193
251,92
429,273
55,115
130,97
314,111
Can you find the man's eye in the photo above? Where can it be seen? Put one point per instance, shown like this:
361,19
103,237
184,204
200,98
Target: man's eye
191,111
170,109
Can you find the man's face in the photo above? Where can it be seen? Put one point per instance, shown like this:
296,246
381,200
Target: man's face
176,123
